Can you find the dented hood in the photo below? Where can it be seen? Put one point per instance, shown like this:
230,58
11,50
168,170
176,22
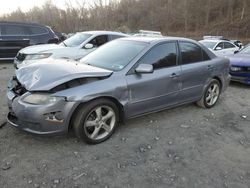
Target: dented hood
47,74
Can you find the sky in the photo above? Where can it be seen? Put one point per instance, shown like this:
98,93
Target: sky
8,6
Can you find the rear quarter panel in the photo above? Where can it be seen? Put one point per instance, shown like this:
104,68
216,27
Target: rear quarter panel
221,71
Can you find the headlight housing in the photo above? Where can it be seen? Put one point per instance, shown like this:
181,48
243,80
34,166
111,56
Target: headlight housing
236,69
37,56
40,99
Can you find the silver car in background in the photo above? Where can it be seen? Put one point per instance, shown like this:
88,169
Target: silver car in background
75,47
122,79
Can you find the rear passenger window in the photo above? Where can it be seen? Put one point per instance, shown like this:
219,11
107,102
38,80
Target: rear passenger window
163,55
190,52
37,30
16,30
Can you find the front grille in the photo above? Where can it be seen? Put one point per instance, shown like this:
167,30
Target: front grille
15,86
21,57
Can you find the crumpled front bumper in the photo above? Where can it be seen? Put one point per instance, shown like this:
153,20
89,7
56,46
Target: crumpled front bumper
52,119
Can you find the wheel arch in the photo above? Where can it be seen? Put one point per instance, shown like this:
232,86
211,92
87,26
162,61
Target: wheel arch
219,80
114,100
208,81
200,102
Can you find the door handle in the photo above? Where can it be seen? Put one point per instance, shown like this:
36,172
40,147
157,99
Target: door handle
174,75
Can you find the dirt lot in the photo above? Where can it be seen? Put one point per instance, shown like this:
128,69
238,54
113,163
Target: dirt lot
183,147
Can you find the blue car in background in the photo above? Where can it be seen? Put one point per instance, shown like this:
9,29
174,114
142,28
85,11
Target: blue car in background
240,66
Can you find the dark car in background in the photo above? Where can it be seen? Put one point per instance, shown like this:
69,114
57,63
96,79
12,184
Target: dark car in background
61,36
14,36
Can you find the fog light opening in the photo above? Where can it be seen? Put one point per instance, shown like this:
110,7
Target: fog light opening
54,117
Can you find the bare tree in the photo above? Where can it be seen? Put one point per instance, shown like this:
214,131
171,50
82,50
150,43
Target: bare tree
192,18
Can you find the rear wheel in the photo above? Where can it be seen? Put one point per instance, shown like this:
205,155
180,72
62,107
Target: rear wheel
96,121
211,94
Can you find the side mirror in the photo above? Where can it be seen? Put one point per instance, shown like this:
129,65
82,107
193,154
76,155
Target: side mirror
235,52
218,48
144,68
89,46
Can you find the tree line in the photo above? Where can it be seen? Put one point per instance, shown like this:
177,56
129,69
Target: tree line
188,18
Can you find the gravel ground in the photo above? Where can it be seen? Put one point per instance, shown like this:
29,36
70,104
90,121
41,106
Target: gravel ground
182,147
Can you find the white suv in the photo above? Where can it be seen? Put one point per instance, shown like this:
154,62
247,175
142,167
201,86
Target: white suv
75,47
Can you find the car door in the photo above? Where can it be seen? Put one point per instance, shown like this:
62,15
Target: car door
196,68
2,54
14,38
229,48
96,42
40,35
219,49
225,48
153,91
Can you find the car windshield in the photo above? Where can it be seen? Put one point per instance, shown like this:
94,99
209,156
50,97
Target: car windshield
245,50
209,44
114,55
76,39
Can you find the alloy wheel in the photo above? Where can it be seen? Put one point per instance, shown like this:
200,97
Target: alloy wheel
100,122
212,94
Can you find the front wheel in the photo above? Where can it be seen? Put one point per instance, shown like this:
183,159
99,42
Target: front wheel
96,121
211,94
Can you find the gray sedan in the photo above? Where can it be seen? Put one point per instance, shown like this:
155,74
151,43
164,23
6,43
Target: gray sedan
122,79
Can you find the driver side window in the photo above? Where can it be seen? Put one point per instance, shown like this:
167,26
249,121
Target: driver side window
99,40
161,56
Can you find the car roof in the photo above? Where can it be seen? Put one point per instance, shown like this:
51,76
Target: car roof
215,40
21,23
104,33
156,39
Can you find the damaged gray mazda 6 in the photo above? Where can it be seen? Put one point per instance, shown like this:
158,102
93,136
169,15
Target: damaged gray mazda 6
122,79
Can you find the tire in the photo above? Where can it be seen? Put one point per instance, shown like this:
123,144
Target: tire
96,121
209,102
